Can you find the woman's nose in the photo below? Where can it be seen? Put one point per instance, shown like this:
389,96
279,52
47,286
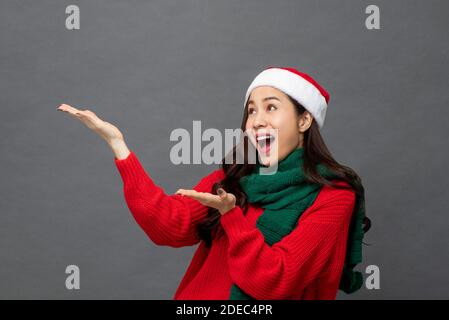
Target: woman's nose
260,120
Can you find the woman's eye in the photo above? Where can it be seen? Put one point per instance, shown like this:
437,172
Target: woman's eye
270,108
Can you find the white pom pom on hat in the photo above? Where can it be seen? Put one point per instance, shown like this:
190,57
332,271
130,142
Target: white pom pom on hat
300,86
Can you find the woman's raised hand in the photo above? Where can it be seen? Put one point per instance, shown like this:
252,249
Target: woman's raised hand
105,129
110,133
223,202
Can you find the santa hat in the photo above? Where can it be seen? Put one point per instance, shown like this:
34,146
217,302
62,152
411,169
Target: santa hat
300,86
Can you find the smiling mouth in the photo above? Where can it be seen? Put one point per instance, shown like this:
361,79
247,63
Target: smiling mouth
264,143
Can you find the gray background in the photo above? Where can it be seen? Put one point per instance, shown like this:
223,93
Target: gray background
152,66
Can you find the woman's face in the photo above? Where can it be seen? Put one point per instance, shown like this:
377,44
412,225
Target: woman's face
273,124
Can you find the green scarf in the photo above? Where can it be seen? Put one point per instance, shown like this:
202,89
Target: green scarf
285,195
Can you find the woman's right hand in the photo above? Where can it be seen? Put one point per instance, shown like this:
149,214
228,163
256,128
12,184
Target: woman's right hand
110,133
104,129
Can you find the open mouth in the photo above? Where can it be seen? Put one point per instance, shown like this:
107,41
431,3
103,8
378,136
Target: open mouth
264,142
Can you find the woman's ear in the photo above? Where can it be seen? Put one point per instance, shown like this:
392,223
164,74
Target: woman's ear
305,121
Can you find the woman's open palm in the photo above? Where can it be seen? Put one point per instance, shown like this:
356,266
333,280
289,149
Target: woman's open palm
106,130
223,202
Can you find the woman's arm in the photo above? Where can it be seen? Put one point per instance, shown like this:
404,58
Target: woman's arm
287,267
119,148
168,220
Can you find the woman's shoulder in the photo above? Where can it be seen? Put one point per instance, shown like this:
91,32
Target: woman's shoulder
332,202
342,189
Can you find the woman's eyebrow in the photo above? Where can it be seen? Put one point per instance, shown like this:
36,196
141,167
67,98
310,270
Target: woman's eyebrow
265,99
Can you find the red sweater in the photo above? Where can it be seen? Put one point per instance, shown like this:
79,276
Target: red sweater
306,264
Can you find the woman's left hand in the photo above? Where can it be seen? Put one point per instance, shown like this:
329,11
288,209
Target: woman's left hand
223,202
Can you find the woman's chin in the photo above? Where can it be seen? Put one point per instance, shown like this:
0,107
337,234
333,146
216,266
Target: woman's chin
267,160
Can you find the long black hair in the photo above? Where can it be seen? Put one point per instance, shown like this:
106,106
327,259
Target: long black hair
315,151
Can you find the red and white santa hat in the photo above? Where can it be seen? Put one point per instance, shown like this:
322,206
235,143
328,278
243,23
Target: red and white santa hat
300,86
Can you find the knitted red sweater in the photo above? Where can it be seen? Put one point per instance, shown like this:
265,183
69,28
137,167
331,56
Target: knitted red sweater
306,264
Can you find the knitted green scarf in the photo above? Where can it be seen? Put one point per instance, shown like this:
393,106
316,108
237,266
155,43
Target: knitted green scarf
285,195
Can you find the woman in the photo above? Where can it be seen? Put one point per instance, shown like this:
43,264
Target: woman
293,234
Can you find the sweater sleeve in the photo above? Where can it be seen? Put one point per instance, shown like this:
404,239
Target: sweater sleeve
287,267
168,220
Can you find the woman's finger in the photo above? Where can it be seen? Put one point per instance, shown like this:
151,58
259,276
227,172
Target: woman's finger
89,118
203,197
225,197
67,108
91,114
193,194
77,112
221,193
74,112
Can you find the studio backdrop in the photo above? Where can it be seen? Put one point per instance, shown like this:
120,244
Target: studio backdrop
151,67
